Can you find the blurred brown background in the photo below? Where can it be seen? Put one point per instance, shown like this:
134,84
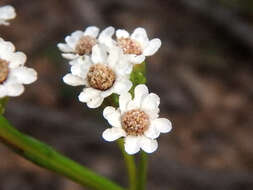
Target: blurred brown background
203,74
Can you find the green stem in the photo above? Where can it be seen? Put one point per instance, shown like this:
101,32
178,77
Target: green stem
142,171
130,164
46,157
3,102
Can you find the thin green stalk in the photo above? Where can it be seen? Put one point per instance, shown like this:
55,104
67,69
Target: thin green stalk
3,102
130,164
129,159
142,171
46,157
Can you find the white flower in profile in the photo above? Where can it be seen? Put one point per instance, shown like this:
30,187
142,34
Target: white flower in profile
104,73
6,13
80,43
13,73
137,45
137,121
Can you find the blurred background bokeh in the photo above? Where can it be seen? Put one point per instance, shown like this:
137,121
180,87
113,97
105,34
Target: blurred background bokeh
203,74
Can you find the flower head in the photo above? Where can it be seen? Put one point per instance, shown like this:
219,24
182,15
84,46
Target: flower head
104,73
137,45
6,13
13,73
80,43
137,121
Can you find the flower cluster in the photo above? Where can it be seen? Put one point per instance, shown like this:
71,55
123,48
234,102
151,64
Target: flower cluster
13,72
102,64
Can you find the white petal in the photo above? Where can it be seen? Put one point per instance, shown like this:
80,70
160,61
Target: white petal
25,75
88,94
69,56
80,67
95,102
122,85
7,12
114,56
105,36
73,80
124,99
91,31
123,66
65,48
136,59
152,47
77,35
112,116
17,59
122,34
162,124
132,144
140,35
113,134
150,105
140,92
71,42
152,132
107,93
148,145
106,33
6,47
98,54
15,89
3,91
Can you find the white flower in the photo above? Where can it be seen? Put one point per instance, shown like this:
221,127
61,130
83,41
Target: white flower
13,73
6,13
136,120
106,72
80,43
137,45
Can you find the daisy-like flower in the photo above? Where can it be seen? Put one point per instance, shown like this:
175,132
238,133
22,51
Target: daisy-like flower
13,73
6,13
80,43
104,73
137,45
137,121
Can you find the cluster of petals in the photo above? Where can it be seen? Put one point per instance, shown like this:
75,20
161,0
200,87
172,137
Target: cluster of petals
6,13
103,64
13,73
112,59
146,103
137,45
88,38
90,47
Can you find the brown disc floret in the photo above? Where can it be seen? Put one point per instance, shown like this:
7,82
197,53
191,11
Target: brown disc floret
101,77
130,46
4,70
85,44
135,122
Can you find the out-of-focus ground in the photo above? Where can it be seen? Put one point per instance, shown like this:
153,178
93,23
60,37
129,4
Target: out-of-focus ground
203,74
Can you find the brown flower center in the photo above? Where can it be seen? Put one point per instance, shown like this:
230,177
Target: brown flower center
130,46
85,44
101,77
4,70
135,122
